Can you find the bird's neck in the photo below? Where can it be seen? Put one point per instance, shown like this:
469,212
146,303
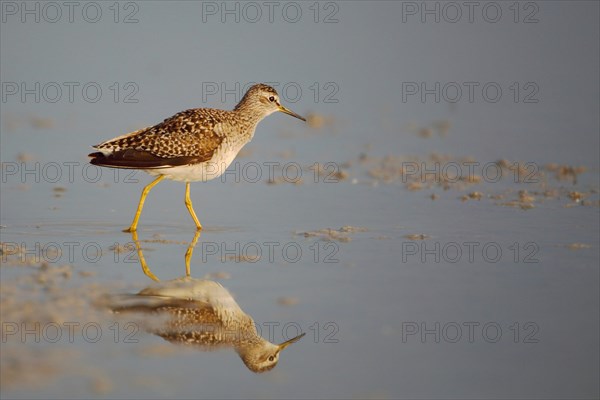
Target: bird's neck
249,111
247,119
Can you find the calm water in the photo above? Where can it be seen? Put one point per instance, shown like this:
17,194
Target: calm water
439,286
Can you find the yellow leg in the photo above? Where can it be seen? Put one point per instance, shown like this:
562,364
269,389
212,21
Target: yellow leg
145,192
189,252
145,268
188,204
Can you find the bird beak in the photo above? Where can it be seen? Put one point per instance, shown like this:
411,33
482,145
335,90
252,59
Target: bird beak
290,112
287,343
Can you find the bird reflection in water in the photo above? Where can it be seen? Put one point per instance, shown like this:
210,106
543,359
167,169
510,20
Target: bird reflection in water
200,313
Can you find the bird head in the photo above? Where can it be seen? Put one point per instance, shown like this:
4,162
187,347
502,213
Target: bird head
263,99
265,356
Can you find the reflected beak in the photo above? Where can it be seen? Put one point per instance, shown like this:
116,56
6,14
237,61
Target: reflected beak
290,112
288,342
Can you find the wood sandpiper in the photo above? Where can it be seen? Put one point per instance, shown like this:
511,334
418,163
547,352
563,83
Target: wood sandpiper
193,145
203,314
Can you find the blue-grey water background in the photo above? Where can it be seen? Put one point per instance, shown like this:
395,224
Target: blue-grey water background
350,63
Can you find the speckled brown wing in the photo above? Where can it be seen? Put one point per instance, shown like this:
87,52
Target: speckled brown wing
189,137
198,325
187,322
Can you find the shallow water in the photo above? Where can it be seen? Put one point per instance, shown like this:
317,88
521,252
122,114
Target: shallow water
363,303
409,279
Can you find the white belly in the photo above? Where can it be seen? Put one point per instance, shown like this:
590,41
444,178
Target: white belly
200,172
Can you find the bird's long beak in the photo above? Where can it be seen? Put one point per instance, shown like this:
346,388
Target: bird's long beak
288,342
290,112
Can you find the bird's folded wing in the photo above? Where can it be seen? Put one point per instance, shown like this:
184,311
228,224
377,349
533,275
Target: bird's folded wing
139,159
186,138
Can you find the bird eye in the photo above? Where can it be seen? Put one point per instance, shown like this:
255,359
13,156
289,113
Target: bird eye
272,98
271,358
